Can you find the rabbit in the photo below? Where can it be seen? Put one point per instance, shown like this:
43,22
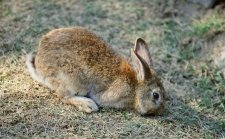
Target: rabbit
85,72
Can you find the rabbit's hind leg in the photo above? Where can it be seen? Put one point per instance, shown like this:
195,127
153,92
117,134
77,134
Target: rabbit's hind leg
76,96
82,103
73,92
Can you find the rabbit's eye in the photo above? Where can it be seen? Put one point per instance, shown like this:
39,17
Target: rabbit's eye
156,95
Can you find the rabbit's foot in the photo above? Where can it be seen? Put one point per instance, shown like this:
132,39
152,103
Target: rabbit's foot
82,103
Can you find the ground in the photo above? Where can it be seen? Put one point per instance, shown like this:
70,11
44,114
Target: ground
176,33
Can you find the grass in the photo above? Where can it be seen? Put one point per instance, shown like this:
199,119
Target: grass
212,83
211,23
195,88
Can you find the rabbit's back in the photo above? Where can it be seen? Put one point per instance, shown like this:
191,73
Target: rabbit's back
73,50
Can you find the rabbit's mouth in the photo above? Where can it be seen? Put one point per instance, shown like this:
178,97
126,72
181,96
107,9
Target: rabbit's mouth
154,110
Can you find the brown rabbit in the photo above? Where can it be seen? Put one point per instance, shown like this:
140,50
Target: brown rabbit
86,73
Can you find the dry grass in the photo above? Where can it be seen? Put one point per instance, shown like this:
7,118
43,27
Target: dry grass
28,110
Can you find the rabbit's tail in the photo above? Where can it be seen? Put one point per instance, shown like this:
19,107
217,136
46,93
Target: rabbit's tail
30,59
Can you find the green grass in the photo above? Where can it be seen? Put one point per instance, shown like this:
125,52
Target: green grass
195,88
212,82
207,78
211,23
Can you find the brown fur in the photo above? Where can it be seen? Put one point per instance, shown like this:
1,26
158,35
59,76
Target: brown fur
76,63
128,71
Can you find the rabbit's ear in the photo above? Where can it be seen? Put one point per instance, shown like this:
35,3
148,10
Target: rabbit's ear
142,51
141,68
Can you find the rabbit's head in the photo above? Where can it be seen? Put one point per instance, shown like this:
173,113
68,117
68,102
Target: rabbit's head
150,95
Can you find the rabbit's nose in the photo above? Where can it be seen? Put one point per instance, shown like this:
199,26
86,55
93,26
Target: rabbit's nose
156,96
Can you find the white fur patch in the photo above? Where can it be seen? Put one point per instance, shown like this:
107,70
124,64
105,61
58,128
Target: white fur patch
33,72
84,104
